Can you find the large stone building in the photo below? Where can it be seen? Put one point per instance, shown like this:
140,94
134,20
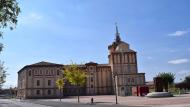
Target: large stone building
38,80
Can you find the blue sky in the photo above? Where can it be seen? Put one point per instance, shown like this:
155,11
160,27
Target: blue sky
80,30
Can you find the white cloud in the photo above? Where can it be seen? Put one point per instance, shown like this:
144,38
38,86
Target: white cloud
10,84
31,18
183,72
179,61
149,57
173,50
179,33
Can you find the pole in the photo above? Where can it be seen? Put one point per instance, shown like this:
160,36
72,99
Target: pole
78,88
122,71
116,90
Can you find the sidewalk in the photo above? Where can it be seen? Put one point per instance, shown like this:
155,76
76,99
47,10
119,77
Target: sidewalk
177,101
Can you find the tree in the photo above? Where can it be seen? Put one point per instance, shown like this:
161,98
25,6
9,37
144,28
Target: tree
9,11
75,76
3,74
184,84
167,78
187,79
60,85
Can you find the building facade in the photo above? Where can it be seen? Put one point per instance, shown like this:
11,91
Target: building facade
38,80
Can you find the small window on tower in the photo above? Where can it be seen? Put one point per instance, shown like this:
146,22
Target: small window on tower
91,68
91,79
49,82
30,73
132,79
91,86
128,79
38,83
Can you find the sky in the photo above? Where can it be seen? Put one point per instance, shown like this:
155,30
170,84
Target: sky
59,31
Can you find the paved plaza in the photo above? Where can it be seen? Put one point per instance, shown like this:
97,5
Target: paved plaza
101,101
178,100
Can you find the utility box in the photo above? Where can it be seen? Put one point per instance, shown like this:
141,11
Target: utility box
140,91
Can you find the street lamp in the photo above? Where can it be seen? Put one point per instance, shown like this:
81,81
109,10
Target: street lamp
116,88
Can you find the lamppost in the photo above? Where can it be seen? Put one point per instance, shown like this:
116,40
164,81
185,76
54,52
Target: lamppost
116,87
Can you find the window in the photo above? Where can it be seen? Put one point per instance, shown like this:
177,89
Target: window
91,68
128,79
38,82
37,92
40,72
57,72
122,88
91,79
51,72
30,73
126,58
129,68
35,72
49,92
118,59
91,86
115,59
47,72
49,82
132,79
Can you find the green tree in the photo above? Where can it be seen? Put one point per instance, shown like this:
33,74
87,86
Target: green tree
9,11
187,79
75,76
167,78
60,85
3,74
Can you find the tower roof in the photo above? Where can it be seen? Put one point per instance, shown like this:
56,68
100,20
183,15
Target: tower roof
117,37
118,45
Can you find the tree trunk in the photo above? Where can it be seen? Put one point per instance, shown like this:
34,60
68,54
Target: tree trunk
78,93
60,94
166,87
